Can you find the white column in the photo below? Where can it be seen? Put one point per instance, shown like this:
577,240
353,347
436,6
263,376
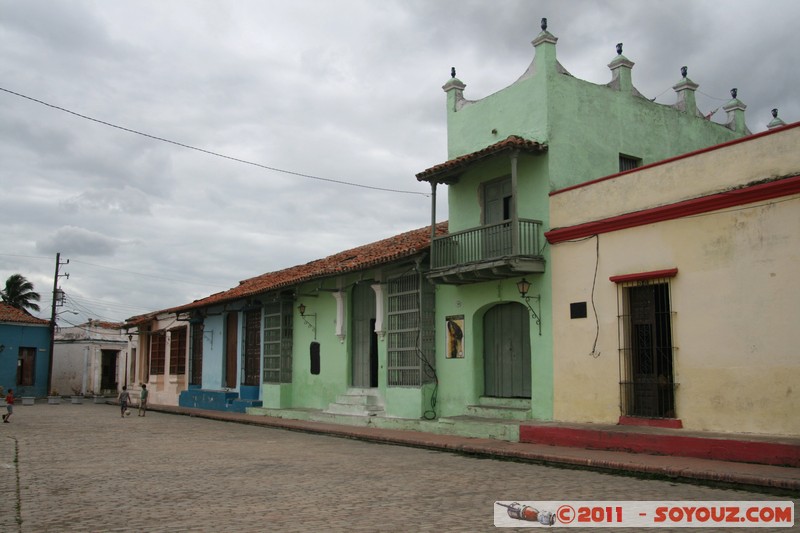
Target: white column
379,329
340,329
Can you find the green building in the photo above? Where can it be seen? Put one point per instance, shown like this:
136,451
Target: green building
546,131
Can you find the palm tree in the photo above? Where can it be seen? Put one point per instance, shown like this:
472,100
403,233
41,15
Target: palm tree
19,293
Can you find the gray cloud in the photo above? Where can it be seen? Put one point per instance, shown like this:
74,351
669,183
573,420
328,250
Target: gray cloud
347,90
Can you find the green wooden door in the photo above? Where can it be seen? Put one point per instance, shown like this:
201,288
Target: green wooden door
496,218
364,341
507,351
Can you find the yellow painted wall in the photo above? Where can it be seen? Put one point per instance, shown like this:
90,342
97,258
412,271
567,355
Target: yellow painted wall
735,299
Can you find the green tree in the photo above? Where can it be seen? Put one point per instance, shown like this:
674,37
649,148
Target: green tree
19,293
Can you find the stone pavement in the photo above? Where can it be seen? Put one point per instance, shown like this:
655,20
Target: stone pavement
82,468
755,476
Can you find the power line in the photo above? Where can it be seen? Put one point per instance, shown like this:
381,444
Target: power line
209,152
149,275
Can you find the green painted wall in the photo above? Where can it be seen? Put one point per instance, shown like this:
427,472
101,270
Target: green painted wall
461,380
318,391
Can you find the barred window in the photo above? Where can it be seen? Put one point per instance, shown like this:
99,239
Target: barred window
277,339
647,383
177,351
627,162
251,354
410,331
196,362
158,352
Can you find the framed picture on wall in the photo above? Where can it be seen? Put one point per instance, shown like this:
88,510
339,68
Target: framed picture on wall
455,336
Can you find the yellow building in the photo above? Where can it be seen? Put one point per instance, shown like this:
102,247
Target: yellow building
676,294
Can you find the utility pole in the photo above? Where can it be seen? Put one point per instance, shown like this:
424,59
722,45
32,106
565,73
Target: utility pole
56,298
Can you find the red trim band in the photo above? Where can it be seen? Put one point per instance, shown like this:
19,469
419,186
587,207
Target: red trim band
703,204
642,276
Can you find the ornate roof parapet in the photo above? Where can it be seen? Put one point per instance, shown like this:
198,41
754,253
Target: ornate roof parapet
455,91
686,97
545,47
621,76
735,109
775,122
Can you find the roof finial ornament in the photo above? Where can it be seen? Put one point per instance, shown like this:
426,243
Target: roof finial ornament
734,92
619,49
684,71
452,72
775,112
544,24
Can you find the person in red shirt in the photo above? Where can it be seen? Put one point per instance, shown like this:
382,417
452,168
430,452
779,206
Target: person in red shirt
9,405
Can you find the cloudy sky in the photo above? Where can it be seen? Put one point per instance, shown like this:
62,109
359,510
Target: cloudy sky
344,90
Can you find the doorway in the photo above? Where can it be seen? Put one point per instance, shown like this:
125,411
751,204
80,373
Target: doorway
231,344
364,340
507,351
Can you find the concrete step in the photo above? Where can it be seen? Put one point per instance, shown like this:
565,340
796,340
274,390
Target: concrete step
357,402
479,427
499,411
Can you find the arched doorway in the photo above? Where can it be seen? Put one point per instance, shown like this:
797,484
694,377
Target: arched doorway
507,351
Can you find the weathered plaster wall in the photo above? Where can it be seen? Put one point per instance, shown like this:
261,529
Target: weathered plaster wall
734,299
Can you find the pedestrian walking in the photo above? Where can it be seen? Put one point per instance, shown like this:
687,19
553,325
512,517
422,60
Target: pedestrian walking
143,400
9,406
124,400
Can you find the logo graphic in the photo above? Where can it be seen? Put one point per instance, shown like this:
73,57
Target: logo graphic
528,513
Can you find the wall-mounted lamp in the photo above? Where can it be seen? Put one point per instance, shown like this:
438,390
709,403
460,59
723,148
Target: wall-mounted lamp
305,317
523,286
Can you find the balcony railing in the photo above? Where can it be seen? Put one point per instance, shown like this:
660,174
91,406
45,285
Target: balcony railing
488,244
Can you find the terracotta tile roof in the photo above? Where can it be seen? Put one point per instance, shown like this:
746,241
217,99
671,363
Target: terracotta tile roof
12,314
366,256
448,171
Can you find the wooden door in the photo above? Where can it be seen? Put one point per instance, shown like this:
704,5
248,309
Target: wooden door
507,351
496,216
231,344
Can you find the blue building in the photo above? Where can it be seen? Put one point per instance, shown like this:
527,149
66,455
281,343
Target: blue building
24,352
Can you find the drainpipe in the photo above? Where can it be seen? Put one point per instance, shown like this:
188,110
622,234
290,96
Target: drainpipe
433,220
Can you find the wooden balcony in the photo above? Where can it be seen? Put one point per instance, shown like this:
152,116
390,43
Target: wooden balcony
496,251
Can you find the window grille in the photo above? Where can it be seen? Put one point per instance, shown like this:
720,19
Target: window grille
196,361
251,351
647,384
158,352
410,331
177,351
628,163
277,339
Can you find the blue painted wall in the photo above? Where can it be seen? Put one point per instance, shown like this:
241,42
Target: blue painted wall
213,351
14,336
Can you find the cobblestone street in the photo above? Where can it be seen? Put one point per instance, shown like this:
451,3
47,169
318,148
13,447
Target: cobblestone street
81,468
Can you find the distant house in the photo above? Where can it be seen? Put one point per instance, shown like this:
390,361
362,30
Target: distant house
24,352
91,358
